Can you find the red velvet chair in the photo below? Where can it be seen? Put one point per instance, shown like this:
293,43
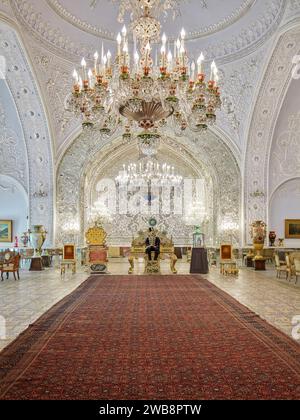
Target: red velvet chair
11,266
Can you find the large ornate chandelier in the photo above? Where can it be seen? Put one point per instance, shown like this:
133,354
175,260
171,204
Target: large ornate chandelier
137,90
148,171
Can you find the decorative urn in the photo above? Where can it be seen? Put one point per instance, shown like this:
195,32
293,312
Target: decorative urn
258,235
272,237
37,238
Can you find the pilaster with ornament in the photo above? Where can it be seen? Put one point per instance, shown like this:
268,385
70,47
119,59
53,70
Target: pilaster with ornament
13,154
35,128
54,77
274,86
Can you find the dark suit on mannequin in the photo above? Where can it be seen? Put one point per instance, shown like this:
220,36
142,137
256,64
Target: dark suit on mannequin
152,245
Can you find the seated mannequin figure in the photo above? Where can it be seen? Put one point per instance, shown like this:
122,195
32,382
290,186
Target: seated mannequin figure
152,245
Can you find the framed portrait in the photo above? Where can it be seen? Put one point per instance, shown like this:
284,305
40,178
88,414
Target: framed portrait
6,231
226,252
292,229
69,252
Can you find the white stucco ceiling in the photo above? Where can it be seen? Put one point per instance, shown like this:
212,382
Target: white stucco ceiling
238,34
224,28
193,14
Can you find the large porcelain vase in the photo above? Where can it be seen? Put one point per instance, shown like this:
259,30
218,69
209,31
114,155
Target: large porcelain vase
258,234
37,238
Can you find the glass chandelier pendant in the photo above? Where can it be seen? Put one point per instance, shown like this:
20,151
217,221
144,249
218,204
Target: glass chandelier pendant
136,91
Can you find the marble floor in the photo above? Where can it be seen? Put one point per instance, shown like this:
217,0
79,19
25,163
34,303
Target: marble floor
24,301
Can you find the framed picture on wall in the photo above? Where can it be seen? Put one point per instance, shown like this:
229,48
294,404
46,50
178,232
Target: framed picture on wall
6,231
69,252
292,229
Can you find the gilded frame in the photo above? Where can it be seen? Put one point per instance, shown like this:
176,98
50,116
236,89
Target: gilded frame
6,231
292,229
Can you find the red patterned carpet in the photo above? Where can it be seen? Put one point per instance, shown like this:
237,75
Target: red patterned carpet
171,337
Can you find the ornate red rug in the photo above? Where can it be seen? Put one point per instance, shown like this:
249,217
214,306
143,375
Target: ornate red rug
155,337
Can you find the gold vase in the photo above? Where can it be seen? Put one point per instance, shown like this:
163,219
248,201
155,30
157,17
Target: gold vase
258,234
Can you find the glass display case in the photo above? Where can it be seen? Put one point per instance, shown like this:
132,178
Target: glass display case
198,238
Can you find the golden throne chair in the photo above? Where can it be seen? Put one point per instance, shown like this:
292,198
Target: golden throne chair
97,255
138,250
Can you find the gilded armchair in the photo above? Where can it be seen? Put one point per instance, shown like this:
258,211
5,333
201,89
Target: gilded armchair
138,250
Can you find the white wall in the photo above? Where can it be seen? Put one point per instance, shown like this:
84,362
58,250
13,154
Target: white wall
285,204
13,206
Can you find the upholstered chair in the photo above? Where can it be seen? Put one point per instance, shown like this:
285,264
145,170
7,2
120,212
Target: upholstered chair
279,267
297,268
12,266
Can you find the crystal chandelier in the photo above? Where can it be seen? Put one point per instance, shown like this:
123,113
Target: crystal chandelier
140,91
149,171
195,215
100,213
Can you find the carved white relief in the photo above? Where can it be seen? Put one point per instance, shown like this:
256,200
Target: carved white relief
260,27
233,17
238,84
13,156
292,10
290,189
34,124
285,156
55,77
276,79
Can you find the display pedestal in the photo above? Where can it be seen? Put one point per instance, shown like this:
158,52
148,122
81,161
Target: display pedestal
36,264
199,263
260,265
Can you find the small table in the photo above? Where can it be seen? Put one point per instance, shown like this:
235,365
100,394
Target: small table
260,265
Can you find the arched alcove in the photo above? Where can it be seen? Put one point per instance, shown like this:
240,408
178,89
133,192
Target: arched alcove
14,206
89,157
169,215
285,204
260,164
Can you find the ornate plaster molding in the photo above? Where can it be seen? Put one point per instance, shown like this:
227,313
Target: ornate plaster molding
54,76
285,154
233,17
247,40
35,127
13,153
274,86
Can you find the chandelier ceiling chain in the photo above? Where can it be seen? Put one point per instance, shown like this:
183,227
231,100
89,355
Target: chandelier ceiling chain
142,91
